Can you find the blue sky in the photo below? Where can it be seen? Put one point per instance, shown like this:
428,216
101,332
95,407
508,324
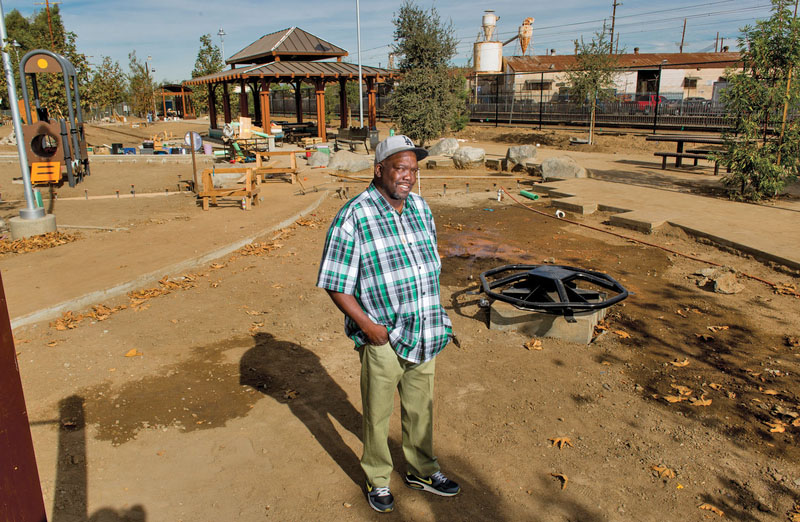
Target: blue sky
169,31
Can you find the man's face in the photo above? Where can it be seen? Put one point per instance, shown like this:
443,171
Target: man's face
395,176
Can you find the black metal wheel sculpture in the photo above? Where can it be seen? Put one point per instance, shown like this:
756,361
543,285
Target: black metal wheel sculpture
553,289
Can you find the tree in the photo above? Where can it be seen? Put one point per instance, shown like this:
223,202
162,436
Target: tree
762,149
34,33
209,61
427,99
141,86
592,76
108,86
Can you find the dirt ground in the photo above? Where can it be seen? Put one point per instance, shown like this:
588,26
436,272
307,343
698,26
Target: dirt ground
234,395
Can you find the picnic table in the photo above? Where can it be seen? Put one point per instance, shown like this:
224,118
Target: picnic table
695,153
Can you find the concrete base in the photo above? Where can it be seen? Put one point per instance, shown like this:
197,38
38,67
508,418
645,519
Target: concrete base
439,163
503,316
642,221
22,228
495,164
576,205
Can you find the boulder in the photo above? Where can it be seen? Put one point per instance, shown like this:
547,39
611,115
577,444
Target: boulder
727,284
561,167
347,161
468,157
517,155
319,159
445,147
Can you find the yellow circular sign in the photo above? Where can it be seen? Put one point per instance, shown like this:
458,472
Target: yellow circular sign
42,63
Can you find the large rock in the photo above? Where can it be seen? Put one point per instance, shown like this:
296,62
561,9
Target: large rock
445,147
468,157
517,155
347,161
562,167
319,159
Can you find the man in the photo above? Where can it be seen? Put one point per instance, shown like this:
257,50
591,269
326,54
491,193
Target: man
381,268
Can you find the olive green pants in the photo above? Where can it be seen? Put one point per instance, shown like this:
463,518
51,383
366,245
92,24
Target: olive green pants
382,371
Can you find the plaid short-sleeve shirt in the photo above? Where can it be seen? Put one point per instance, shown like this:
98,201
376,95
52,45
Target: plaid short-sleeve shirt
390,263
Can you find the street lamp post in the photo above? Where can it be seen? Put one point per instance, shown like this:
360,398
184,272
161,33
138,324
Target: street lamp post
360,86
658,95
221,33
152,87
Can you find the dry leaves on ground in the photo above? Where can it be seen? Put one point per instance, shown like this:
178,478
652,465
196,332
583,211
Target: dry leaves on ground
716,329
702,401
787,289
768,391
35,243
166,286
561,442
310,223
622,334
133,352
776,427
563,478
793,342
713,509
794,514
259,249
683,390
715,386
663,472
705,337
290,395
70,320
680,364
533,344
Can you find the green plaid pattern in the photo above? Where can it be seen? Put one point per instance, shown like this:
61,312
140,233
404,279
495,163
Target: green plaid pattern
390,263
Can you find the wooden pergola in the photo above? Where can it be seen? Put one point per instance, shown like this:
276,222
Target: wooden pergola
291,56
177,91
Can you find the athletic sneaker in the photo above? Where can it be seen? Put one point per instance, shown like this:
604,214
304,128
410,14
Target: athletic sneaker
437,484
380,499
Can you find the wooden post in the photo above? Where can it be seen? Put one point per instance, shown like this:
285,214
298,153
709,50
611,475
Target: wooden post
320,84
256,104
266,121
21,494
183,103
164,102
343,109
371,101
226,102
298,101
243,105
212,106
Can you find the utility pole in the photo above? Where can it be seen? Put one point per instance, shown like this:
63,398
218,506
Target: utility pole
221,33
683,35
716,43
49,21
613,19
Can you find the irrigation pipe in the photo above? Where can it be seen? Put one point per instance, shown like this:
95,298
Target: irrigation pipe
634,240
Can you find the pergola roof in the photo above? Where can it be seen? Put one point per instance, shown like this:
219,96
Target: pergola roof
172,88
294,70
546,63
292,44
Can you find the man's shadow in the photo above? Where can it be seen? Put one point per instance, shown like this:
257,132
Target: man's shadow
293,375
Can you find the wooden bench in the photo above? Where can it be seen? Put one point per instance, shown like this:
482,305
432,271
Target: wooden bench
249,190
352,137
687,155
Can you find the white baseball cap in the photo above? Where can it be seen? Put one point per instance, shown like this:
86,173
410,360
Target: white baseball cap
398,143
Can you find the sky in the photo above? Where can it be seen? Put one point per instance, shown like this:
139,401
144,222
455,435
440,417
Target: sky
170,31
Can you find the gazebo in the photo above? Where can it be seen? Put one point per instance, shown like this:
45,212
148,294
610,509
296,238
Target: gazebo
291,56
177,92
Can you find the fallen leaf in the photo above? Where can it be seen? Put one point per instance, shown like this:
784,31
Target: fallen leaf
160,453
793,342
705,337
675,398
796,423
133,352
561,442
52,343
216,266
683,390
112,369
709,507
702,401
776,427
715,386
681,313
622,334
173,321
770,392
663,471
679,486
253,312
347,505
533,344
716,329
290,394
214,284
563,478
731,395
680,364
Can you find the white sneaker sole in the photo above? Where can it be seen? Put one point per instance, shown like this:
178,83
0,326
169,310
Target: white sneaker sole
430,489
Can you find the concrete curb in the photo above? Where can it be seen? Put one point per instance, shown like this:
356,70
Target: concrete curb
93,298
